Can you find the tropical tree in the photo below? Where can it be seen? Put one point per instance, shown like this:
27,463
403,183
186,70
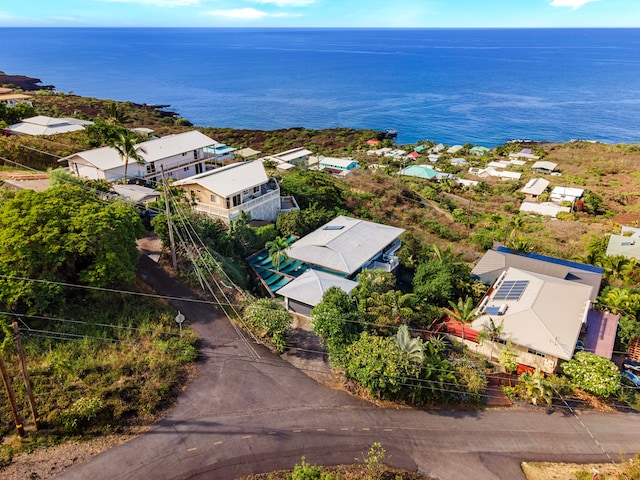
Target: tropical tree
614,266
508,357
271,319
492,332
412,347
462,312
370,282
278,251
116,115
128,149
534,387
391,308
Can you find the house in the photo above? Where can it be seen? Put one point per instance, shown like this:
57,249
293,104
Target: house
413,155
465,183
542,315
543,304
372,141
226,191
42,125
247,153
547,209
380,151
424,171
181,155
498,164
566,194
455,149
461,162
626,244
347,246
306,291
501,174
524,154
296,156
439,148
38,182
534,188
338,165
434,157
136,193
11,99
479,151
495,262
544,167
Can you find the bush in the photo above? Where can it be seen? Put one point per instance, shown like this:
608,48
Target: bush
593,373
271,319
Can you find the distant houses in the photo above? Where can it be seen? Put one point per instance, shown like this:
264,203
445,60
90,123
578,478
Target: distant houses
627,244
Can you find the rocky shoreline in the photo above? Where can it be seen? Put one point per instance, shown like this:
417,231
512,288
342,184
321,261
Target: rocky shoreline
28,84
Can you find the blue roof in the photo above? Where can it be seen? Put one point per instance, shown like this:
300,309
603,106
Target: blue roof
557,261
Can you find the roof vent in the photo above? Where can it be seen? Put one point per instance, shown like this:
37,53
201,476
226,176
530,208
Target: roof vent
333,227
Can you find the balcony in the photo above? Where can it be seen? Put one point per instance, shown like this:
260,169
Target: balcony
388,263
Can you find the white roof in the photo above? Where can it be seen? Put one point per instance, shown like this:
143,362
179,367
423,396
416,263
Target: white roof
548,209
498,164
544,165
546,318
455,149
293,154
567,192
535,186
42,125
248,152
171,145
635,232
107,158
344,244
285,166
136,193
229,180
309,287
505,174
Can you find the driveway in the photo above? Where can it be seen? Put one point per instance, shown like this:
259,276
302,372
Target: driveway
249,411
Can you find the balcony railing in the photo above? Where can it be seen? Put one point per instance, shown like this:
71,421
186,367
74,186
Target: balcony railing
248,204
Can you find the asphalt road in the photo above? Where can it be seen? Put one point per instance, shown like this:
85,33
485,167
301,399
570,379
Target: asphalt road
246,414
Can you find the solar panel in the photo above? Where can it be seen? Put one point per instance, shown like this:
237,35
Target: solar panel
492,310
511,290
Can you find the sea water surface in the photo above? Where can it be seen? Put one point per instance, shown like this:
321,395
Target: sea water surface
483,86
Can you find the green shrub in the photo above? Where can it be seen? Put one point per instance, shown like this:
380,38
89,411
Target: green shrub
593,373
271,319
81,413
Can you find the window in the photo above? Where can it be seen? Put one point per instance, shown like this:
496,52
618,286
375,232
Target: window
214,198
256,189
195,154
185,169
535,352
151,168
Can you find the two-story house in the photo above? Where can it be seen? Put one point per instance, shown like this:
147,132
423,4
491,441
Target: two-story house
225,192
181,155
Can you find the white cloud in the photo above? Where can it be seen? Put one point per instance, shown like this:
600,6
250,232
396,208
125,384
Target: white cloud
288,3
239,13
159,3
574,4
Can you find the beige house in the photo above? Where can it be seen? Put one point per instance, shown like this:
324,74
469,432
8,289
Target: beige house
225,192
534,188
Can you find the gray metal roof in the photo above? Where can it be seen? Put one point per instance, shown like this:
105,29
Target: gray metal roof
229,180
623,245
535,186
309,287
344,244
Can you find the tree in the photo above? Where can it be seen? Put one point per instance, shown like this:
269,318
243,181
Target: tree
243,234
492,332
535,387
370,282
508,357
271,318
302,222
63,234
462,312
391,308
278,251
103,133
116,115
126,146
310,186
412,347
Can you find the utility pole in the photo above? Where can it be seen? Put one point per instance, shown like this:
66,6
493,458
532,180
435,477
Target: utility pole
12,400
169,222
25,376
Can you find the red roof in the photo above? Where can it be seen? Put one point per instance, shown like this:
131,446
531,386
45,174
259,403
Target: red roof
373,141
455,328
414,154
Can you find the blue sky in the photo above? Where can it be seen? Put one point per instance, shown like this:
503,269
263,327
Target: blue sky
320,13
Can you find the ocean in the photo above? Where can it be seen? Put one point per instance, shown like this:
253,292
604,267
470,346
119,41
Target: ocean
484,86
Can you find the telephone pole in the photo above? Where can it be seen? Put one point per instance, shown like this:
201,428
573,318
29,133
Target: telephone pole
12,400
25,376
169,222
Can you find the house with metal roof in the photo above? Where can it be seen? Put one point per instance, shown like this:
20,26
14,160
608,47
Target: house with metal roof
542,315
627,244
338,165
524,154
180,155
348,245
568,194
42,125
546,209
296,156
424,171
544,166
226,191
306,291
455,149
534,188
11,99
479,151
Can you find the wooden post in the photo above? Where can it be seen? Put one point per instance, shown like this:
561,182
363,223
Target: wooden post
25,376
12,400
169,222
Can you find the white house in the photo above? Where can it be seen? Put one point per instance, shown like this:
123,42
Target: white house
534,188
226,191
544,166
42,125
348,245
568,194
296,156
338,165
547,209
181,155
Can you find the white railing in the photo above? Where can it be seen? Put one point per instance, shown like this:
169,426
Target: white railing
229,213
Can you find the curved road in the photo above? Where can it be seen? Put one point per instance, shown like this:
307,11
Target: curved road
245,415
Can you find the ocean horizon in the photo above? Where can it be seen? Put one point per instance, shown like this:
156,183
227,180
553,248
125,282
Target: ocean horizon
449,85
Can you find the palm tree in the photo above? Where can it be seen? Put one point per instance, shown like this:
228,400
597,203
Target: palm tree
277,251
462,312
392,307
614,265
536,387
412,347
115,115
492,332
125,145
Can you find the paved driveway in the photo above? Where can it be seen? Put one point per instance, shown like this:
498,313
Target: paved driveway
247,414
